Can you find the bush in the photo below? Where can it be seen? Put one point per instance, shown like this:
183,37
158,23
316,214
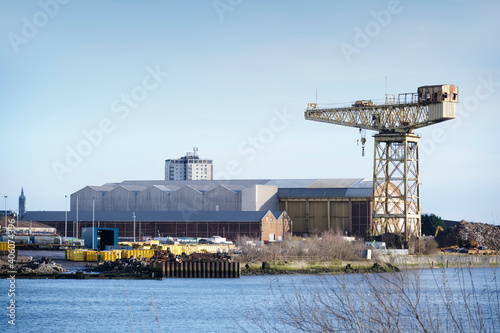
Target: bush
328,246
422,246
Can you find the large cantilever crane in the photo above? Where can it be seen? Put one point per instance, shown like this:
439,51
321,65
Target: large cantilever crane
396,186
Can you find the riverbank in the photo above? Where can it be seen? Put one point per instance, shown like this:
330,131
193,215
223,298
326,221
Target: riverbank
383,263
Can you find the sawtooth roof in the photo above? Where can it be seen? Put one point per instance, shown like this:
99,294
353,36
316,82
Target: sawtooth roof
287,188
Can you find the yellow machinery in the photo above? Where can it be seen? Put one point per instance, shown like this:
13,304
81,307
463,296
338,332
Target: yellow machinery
439,228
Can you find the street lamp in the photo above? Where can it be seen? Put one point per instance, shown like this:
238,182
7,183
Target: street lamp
133,214
93,229
65,217
5,211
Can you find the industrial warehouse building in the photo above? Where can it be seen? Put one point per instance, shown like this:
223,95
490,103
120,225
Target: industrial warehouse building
311,205
262,225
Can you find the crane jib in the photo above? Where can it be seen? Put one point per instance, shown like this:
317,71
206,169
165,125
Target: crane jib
396,118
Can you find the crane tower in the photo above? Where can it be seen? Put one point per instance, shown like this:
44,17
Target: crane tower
396,185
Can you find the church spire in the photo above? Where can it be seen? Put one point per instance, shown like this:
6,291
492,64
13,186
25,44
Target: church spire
22,203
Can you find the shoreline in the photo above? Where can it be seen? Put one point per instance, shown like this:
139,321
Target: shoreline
382,264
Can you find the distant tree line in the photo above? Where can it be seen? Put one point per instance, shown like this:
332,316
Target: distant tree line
430,223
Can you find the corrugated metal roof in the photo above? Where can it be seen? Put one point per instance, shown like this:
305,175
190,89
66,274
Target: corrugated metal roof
241,184
312,192
164,188
365,183
150,216
44,216
211,183
356,187
103,189
133,188
335,183
33,224
363,189
235,188
291,183
201,188
359,193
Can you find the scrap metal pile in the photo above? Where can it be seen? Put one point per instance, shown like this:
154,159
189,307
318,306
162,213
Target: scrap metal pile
128,265
470,235
44,265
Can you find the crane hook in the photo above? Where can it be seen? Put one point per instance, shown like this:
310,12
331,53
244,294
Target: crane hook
363,141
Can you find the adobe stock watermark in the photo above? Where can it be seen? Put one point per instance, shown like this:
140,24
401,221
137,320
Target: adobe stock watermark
364,36
223,6
470,104
31,26
249,148
121,108
11,271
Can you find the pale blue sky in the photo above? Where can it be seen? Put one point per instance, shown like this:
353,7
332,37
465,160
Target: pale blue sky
237,70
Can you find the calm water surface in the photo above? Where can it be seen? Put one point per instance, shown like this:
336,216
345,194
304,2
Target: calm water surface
179,305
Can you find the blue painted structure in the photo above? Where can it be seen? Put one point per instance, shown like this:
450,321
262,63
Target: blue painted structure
102,237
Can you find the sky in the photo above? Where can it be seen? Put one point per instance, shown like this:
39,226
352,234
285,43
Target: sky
94,92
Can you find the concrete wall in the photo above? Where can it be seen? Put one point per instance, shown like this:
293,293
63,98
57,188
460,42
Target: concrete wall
260,198
267,198
444,260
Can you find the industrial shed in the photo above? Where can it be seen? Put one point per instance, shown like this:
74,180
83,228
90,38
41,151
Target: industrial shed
262,225
195,195
314,205
325,204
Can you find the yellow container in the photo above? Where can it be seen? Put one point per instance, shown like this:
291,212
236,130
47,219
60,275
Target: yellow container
108,255
91,255
78,256
75,255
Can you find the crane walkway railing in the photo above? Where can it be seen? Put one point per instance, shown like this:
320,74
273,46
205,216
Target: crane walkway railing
402,99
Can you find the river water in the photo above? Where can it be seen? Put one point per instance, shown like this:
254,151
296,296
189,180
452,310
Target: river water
212,305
